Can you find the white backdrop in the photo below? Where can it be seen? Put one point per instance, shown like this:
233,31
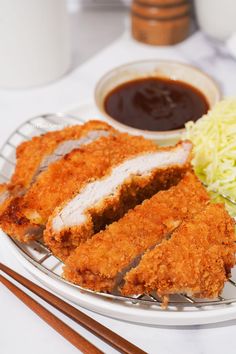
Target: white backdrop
86,3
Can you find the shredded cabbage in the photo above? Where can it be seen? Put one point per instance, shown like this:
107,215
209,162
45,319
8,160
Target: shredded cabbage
214,147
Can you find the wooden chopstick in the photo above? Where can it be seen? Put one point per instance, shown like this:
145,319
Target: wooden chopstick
67,332
79,317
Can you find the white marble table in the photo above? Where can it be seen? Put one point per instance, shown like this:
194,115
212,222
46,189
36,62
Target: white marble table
20,329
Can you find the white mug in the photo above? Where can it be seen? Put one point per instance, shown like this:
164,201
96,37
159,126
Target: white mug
216,17
34,42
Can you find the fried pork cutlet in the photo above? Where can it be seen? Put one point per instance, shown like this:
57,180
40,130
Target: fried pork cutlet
4,195
104,200
35,155
3,190
196,260
26,216
100,263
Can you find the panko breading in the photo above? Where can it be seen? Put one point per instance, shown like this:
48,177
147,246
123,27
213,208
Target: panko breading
3,190
4,195
33,155
196,260
107,199
26,216
98,263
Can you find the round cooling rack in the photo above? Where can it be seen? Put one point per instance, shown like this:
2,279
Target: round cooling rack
38,260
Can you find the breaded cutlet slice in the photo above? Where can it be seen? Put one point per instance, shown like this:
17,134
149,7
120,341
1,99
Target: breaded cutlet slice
35,155
107,199
196,260
3,189
26,216
4,195
100,262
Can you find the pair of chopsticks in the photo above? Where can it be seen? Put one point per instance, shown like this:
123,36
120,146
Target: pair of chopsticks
79,317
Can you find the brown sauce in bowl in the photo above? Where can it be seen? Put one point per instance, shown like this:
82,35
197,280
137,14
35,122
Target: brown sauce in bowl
155,104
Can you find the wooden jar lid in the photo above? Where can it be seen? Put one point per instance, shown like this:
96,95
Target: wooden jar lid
160,22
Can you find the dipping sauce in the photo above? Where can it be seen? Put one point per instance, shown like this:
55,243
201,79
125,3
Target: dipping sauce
155,104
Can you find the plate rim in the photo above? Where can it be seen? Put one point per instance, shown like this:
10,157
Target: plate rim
119,310
140,314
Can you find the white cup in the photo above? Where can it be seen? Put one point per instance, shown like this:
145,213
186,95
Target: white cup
216,17
34,42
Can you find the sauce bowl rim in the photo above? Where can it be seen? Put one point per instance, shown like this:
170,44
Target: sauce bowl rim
154,133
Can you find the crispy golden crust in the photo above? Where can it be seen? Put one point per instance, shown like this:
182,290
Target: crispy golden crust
4,196
16,225
30,153
132,192
196,260
65,177
62,178
3,187
96,263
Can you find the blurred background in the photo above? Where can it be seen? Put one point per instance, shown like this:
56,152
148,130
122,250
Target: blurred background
54,52
100,14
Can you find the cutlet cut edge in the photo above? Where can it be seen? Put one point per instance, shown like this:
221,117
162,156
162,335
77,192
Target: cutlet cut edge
67,146
120,276
104,283
73,212
93,223
36,219
141,286
4,195
98,281
89,132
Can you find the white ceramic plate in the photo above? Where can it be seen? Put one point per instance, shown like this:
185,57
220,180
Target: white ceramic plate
141,312
126,311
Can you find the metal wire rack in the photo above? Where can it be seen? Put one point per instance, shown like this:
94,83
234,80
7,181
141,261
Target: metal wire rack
42,258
